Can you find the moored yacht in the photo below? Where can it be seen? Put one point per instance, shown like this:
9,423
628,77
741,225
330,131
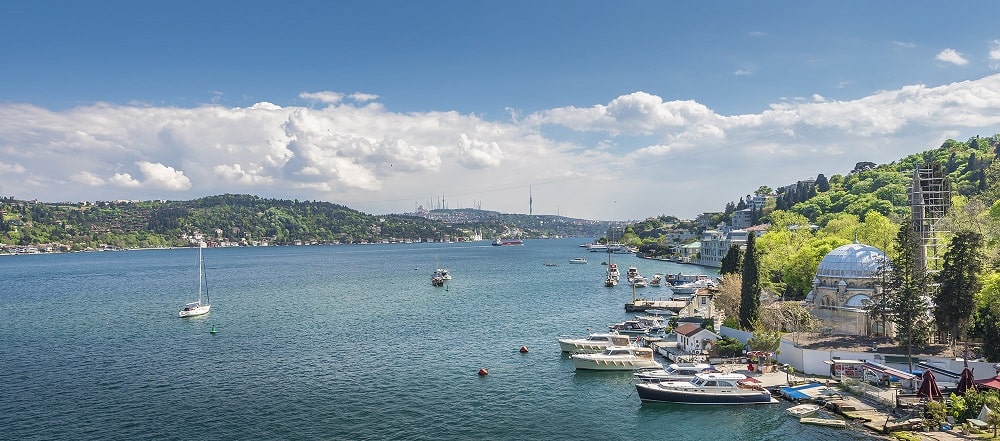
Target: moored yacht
595,342
617,358
706,388
673,372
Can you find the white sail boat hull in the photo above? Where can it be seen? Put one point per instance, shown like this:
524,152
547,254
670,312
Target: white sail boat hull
193,310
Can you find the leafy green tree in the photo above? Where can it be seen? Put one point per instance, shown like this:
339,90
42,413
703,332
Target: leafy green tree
986,321
764,339
907,286
750,288
958,281
729,347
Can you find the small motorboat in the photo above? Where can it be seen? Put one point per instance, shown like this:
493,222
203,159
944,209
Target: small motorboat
803,410
578,260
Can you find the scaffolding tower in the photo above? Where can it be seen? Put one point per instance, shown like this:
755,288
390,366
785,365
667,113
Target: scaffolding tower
930,199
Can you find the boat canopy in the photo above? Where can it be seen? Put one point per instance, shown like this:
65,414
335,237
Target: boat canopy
882,369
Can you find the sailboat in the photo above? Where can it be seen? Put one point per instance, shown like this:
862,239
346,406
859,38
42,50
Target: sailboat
198,308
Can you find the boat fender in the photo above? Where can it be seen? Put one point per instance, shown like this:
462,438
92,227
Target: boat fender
483,372
524,349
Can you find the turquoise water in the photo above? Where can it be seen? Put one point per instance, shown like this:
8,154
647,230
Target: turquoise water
332,342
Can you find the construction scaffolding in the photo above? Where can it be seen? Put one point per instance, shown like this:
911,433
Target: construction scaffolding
930,199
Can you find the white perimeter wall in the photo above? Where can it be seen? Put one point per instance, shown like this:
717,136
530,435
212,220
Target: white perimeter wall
812,362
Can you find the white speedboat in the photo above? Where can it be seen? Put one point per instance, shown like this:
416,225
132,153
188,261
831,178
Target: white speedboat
657,280
616,358
706,388
641,324
692,287
674,372
595,342
640,282
578,260
442,273
631,273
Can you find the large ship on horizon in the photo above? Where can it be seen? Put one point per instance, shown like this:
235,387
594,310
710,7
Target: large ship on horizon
501,241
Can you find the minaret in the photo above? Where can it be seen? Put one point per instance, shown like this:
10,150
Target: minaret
530,201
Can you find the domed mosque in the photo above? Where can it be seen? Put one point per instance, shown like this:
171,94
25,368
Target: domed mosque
845,283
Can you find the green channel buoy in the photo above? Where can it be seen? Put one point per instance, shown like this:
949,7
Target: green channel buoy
213,330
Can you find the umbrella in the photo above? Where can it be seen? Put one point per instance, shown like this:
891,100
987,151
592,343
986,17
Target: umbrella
990,382
929,387
966,381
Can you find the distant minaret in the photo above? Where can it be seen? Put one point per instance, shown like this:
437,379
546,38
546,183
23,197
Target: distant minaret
530,201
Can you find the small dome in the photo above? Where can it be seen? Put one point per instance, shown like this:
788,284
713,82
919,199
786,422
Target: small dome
852,261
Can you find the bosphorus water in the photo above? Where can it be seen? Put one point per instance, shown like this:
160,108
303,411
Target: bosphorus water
333,343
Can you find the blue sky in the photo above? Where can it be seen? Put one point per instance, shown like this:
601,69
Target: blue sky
605,110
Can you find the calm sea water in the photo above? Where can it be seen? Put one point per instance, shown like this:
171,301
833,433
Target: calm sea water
330,343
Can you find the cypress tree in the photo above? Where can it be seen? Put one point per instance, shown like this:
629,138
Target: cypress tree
954,301
733,261
750,288
907,284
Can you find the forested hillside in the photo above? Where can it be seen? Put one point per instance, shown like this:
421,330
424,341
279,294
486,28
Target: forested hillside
235,219
251,220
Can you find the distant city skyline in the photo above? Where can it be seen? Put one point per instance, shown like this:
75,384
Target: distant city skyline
592,110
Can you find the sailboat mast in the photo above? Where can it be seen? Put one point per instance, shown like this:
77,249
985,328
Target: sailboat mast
201,273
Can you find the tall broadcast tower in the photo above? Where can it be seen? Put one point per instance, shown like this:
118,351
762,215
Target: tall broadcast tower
530,201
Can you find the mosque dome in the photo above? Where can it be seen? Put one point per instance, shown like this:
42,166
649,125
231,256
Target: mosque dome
852,261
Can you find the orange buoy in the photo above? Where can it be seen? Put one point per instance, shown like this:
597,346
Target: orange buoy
524,349
483,372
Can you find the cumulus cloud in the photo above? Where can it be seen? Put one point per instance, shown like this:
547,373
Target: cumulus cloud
359,153
479,154
163,177
125,180
87,178
952,56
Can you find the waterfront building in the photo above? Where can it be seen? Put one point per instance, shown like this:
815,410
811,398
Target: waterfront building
715,244
693,339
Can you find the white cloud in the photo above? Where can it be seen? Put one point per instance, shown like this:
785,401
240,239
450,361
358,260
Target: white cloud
743,72
87,178
323,97
363,97
15,168
637,154
952,56
479,154
124,180
163,177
